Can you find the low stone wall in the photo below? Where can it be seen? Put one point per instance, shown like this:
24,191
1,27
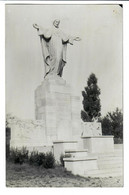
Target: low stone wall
27,133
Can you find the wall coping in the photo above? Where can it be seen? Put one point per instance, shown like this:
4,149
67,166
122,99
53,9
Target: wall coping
102,136
58,142
75,151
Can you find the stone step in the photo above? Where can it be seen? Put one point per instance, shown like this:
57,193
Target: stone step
120,169
111,161
80,158
109,166
115,153
103,155
77,153
112,174
104,173
79,165
108,160
118,146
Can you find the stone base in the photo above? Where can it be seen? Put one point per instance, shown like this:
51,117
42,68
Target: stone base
80,166
58,108
60,147
98,144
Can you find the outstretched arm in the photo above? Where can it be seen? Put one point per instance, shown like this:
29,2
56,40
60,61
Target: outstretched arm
72,39
77,39
36,26
43,32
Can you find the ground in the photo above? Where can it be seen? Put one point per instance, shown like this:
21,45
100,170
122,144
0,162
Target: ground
31,176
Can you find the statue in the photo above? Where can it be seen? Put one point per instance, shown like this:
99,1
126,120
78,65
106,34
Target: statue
54,45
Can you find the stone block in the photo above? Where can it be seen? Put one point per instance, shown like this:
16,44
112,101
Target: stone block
60,147
91,129
98,144
80,166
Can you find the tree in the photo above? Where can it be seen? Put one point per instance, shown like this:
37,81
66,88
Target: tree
107,128
91,101
112,124
116,118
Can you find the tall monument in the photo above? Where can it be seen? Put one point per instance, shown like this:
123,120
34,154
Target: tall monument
54,102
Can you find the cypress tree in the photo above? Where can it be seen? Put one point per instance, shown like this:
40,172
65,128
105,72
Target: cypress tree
91,101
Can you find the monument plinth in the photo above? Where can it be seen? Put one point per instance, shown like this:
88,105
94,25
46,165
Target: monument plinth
58,109
94,141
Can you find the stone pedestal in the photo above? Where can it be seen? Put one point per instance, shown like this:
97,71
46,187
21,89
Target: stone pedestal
59,110
98,144
94,141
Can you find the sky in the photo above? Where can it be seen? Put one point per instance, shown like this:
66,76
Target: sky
98,52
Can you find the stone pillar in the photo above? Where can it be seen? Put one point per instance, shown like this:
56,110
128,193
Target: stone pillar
55,105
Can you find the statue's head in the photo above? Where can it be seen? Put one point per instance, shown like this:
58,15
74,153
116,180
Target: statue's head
56,23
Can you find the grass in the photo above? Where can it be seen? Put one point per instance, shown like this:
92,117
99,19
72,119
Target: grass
26,175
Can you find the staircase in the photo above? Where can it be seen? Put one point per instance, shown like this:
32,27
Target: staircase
109,164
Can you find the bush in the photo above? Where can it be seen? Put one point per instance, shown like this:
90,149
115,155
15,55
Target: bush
8,132
18,156
41,159
49,161
112,124
21,156
7,151
36,158
118,141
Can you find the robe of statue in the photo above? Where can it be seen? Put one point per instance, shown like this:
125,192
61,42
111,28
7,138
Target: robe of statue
54,45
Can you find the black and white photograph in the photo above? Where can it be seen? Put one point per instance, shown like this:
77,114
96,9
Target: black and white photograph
64,95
